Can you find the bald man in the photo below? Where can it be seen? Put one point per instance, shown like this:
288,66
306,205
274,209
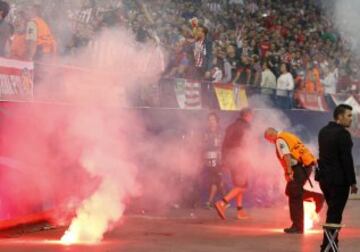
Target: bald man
297,162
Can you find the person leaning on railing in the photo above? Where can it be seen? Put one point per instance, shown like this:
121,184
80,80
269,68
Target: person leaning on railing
285,88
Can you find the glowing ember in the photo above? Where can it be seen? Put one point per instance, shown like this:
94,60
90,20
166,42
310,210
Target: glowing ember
68,238
310,215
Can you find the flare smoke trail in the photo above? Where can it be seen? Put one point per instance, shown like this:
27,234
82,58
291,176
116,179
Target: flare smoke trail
106,154
106,157
81,154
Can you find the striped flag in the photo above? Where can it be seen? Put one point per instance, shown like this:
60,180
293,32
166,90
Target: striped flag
188,94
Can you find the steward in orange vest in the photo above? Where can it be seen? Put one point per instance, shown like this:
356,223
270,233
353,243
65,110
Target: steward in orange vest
296,160
298,150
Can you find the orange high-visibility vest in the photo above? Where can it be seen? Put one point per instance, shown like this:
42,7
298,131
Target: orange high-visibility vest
45,39
297,149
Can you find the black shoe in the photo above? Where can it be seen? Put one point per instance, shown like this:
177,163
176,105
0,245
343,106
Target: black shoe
293,230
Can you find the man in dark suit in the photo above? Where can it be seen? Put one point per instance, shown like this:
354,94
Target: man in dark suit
336,172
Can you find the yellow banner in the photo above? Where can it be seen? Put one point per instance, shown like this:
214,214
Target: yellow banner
230,98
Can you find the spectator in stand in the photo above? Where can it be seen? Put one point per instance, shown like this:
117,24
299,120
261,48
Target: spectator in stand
330,80
231,64
202,53
57,13
312,79
5,29
216,74
179,62
268,80
256,70
285,87
243,74
18,48
86,23
264,47
281,31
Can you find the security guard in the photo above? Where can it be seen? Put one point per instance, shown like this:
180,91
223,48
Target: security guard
297,161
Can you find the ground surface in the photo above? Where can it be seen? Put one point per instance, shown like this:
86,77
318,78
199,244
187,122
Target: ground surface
199,230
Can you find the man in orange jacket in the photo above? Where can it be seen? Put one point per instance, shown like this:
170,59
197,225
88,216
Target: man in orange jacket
39,37
297,161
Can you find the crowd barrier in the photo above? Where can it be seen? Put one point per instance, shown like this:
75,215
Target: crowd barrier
21,80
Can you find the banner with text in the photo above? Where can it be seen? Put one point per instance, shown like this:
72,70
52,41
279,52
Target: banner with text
314,102
16,79
188,94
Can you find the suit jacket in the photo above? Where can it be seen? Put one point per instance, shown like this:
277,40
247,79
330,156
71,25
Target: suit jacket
336,166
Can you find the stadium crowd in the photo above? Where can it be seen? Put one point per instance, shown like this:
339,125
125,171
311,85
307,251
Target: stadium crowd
288,45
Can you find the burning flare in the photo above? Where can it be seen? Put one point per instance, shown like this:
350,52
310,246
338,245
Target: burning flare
95,215
310,215
100,211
